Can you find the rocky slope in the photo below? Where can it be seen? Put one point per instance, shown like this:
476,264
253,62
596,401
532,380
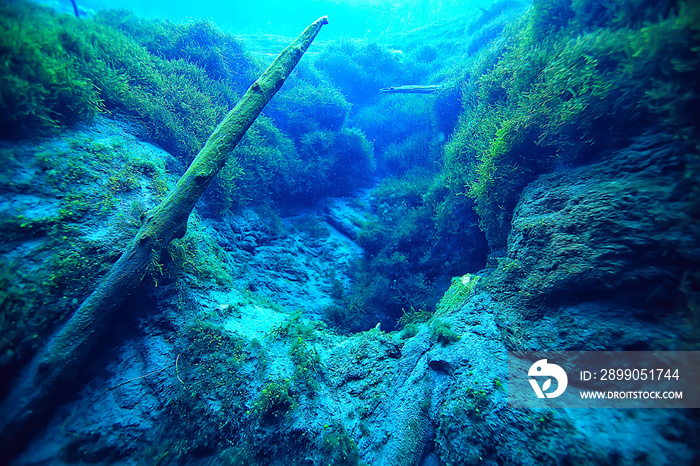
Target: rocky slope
229,361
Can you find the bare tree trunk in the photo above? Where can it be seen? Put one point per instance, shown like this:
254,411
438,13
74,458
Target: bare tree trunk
56,365
413,89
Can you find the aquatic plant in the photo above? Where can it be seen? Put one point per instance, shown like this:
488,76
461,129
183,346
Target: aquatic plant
40,83
293,328
21,326
334,163
414,316
197,255
70,69
73,175
274,402
222,56
337,447
394,118
409,258
308,107
307,364
442,333
264,166
359,70
586,78
457,294
409,331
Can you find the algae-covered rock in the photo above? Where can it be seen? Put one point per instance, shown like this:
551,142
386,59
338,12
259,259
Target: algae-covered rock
619,226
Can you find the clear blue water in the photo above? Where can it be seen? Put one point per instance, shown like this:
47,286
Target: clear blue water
358,19
353,279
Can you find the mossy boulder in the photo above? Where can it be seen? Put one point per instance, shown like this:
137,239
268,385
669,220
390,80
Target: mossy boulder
619,227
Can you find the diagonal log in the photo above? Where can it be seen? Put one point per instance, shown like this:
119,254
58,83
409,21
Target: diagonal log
56,365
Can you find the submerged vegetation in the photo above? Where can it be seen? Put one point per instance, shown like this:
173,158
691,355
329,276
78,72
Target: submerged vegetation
595,72
527,92
563,82
66,69
177,82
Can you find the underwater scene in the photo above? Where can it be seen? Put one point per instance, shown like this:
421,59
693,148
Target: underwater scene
341,232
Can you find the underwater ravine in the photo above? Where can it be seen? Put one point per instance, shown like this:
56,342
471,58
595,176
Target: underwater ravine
334,259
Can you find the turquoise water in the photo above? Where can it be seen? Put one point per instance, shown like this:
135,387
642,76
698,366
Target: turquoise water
440,199
278,17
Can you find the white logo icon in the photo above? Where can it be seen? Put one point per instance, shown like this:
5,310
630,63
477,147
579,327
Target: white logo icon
541,368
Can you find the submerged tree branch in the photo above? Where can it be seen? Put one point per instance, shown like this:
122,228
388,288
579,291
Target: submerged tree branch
413,89
56,365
